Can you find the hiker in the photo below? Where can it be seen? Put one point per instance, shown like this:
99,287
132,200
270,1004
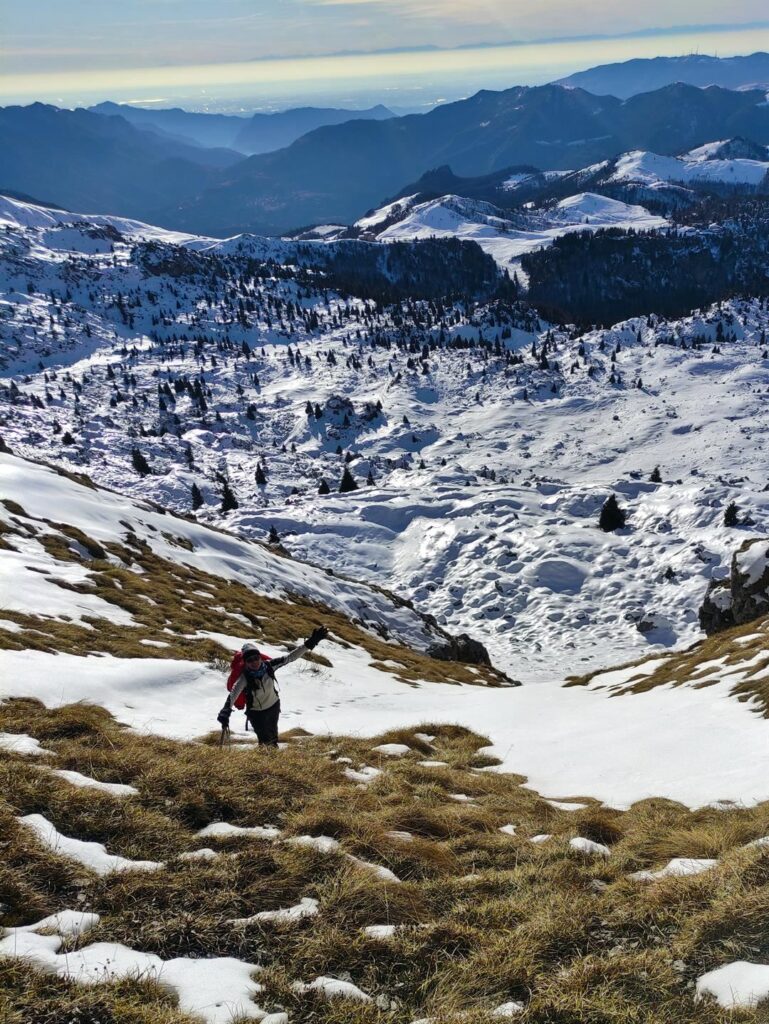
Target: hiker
252,686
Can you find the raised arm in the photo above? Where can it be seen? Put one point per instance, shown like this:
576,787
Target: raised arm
312,641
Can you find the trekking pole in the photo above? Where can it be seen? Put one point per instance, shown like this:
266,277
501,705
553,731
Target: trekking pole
225,734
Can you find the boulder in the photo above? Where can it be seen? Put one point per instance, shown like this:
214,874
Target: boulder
742,597
716,609
461,648
750,580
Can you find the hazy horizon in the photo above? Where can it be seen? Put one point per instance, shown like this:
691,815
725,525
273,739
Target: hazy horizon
402,78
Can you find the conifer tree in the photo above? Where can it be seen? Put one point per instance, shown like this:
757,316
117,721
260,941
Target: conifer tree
656,476
197,497
324,488
347,482
731,514
274,537
229,501
261,478
140,464
612,516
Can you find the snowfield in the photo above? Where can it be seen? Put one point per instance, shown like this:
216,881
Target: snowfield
504,239
697,166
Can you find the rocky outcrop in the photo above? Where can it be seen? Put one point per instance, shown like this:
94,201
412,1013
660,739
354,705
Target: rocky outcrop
742,597
716,609
461,648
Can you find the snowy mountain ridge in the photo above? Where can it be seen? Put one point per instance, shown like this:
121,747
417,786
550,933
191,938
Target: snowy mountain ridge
503,234
701,165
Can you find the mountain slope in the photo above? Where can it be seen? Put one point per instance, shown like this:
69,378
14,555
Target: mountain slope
335,174
483,441
383,858
701,166
646,74
143,609
503,236
257,133
92,162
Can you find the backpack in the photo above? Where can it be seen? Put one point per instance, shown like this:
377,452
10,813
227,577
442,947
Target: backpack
236,670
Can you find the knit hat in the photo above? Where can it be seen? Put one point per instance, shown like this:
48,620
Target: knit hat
248,649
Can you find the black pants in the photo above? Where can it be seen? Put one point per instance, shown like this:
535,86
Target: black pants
265,725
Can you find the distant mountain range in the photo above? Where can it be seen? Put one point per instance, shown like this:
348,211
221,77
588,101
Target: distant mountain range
257,133
86,161
334,174
644,75
666,182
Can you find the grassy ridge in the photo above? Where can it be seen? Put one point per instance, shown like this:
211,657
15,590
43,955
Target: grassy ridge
739,654
487,917
170,602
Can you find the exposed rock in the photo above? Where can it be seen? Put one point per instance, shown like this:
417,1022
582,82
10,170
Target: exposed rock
750,580
742,597
337,407
716,609
461,648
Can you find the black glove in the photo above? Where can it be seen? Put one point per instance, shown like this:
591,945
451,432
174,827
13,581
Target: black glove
223,718
318,634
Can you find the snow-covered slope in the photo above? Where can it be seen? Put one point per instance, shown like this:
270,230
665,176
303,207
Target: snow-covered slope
17,213
504,236
700,165
480,472
109,518
568,741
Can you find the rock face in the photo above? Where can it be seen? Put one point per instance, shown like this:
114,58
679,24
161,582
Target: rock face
461,648
742,597
716,609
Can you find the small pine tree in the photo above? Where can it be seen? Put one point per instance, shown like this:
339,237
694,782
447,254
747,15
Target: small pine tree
229,501
612,516
656,477
274,537
140,464
324,488
197,497
67,438
347,482
370,481
732,514
261,479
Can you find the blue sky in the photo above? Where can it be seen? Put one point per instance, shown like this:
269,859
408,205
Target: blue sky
95,46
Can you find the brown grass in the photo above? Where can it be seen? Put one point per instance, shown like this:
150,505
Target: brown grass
689,667
172,602
485,917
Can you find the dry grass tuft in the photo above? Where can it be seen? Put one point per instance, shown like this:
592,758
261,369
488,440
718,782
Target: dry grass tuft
706,663
483,917
173,603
